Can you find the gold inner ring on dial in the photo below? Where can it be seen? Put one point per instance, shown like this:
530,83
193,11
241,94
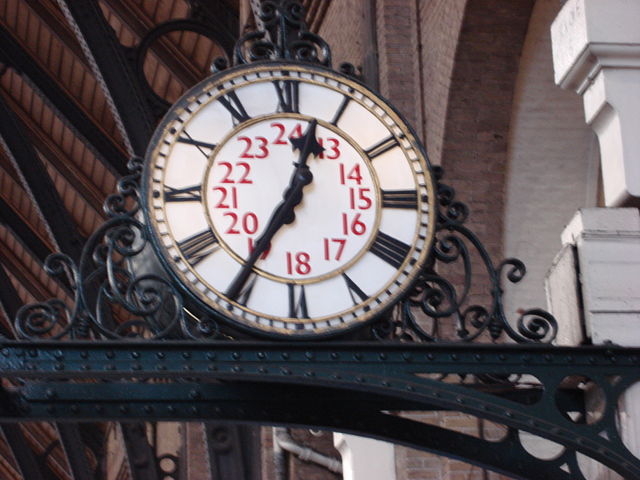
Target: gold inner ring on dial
341,135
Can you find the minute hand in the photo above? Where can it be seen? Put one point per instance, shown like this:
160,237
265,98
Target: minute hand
284,213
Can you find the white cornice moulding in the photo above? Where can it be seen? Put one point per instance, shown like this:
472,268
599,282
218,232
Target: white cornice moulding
596,52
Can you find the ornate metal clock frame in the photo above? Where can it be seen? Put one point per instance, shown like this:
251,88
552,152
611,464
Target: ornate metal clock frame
129,328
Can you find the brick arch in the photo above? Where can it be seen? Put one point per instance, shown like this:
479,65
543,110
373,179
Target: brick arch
474,149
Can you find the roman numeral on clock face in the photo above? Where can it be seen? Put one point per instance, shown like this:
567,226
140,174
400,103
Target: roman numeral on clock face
288,95
204,147
382,147
187,194
354,290
390,249
341,109
297,301
245,293
400,199
199,246
232,103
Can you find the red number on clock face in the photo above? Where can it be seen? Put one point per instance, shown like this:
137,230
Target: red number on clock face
249,223
353,174
252,247
281,131
356,226
359,200
223,198
332,150
298,262
246,169
328,242
263,150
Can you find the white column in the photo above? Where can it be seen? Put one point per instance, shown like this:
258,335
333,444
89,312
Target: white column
364,458
607,242
596,52
608,248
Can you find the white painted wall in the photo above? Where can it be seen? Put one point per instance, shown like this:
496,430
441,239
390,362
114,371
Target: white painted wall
553,163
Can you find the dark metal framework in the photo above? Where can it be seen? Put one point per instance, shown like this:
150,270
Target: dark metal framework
134,330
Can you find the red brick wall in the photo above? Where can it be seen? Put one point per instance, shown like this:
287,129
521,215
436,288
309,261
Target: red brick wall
439,29
399,68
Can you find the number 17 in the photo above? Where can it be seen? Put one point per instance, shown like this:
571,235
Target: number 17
341,242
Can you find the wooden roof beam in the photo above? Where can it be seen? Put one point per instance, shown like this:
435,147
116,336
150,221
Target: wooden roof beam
54,155
13,53
126,96
38,184
169,54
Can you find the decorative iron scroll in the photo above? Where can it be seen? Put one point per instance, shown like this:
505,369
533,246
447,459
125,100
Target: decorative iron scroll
284,37
114,301
439,299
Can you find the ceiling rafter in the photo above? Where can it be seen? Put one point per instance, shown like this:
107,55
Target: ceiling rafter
14,54
56,157
38,184
12,221
24,276
168,54
117,77
58,27
13,200
24,456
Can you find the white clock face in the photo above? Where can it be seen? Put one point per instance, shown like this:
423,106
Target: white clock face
289,199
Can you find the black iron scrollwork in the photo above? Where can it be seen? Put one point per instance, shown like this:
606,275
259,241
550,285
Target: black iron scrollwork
284,37
111,301
437,300
114,301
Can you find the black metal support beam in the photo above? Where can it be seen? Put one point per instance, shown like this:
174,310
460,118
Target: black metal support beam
74,449
38,184
114,72
140,455
381,371
25,458
9,302
12,53
11,220
234,450
223,19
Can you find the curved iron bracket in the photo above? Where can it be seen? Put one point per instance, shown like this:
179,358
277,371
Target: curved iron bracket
347,386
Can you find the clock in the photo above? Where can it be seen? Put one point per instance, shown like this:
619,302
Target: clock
289,199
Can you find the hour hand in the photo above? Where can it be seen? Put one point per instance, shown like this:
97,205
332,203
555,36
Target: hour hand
307,144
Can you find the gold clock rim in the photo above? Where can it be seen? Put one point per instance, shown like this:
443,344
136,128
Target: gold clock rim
397,121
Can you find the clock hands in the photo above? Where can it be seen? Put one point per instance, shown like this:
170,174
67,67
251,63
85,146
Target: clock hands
284,212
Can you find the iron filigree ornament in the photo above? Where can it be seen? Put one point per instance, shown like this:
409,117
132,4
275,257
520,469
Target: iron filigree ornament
112,301
114,298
